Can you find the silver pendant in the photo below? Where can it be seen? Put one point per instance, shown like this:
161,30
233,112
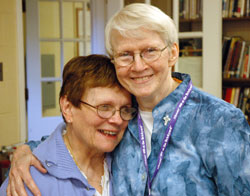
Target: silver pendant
166,119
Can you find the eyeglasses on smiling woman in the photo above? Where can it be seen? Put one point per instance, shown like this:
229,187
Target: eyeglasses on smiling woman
148,55
107,111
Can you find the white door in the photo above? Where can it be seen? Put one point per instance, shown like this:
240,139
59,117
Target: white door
56,31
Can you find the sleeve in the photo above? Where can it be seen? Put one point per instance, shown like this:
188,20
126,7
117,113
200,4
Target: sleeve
33,144
228,154
3,187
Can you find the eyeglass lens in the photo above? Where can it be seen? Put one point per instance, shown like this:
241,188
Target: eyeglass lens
107,111
148,55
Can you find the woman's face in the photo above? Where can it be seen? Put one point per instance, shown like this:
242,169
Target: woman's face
94,132
142,79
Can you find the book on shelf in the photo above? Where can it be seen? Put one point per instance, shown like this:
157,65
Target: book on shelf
245,98
240,62
239,97
246,63
228,95
225,48
190,9
247,8
181,9
236,96
235,58
235,8
229,57
184,9
241,7
232,96
199,8
247,107
231,8
225,8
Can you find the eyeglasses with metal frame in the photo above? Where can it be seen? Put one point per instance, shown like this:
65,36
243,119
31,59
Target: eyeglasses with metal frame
148,55
107,111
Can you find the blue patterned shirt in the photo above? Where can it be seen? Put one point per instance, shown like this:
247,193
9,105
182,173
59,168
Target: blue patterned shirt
208,153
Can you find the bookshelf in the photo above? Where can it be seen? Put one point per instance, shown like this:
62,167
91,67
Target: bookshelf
200,39
236,26
236,82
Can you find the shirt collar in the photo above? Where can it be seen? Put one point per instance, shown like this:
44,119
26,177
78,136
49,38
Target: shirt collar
165,106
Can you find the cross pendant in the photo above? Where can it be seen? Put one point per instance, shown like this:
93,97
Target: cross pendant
166,119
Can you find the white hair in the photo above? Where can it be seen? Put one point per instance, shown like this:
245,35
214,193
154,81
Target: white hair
137,15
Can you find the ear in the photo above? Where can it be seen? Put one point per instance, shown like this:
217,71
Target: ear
66,108
173,55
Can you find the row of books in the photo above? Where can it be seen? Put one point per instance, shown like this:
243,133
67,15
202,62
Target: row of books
235,58
235,8
190,9
240,97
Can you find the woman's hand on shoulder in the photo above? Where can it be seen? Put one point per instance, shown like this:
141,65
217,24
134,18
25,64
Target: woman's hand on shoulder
20,172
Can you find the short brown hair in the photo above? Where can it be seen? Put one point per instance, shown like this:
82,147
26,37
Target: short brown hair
84,72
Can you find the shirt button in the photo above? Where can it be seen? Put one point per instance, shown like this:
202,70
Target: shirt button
48,163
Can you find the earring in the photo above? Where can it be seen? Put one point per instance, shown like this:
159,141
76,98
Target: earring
68,121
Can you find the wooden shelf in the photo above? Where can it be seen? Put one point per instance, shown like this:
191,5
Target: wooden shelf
236,19
190,25
198,20
237,27
236,82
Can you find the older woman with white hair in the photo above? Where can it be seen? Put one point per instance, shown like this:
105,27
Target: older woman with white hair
184,141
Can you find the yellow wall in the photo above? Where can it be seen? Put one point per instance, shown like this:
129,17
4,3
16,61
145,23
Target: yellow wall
12,104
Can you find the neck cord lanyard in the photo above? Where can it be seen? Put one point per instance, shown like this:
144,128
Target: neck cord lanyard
166,139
